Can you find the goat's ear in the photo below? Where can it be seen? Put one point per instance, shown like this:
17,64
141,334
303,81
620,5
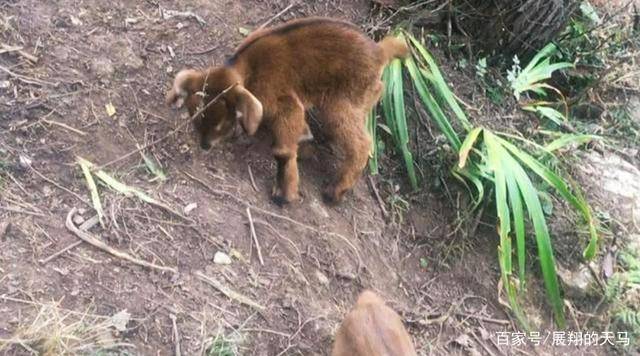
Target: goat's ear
186,83
248,110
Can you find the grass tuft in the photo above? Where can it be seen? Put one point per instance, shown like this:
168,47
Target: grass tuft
55,331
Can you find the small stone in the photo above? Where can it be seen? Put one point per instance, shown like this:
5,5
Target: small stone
189,208
578,283
221,258
322,278
25,162
78,219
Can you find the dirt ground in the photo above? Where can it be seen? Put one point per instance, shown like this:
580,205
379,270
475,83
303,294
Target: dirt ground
312,259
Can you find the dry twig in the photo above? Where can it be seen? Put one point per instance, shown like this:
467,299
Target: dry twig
88,238
228,292
7,49
59,186
253,182
65,126
176,335
266,23
20,211
376,193
254,236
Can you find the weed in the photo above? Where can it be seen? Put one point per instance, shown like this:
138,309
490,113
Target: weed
222,345
623,126
399,206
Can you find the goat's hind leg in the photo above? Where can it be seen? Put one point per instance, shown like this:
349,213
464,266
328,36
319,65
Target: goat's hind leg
348,131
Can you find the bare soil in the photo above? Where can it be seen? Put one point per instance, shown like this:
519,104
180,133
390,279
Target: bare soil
96,53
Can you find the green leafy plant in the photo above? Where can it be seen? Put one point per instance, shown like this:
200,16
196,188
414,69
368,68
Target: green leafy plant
221,345
489,160
532,79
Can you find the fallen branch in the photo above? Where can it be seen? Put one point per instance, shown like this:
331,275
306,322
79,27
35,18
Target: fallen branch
8,49
228,292
88,238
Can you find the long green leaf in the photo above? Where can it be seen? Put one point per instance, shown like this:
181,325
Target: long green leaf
393,106
430,103
543,240
547,112
569,139
495,157
515,200
472,175
475,178
578,202
467,145
125,189
439,83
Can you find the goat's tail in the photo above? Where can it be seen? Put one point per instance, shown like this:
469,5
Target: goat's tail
393,47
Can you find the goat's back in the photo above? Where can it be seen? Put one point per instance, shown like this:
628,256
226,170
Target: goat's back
313,56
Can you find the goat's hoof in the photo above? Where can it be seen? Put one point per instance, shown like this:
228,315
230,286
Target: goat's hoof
330,197
279,200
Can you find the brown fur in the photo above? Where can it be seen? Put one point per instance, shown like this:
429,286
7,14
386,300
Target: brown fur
372,329
282,72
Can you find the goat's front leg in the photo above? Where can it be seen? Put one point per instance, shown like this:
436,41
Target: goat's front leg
287,128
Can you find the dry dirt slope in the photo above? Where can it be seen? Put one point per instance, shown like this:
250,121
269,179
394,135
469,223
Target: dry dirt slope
93,54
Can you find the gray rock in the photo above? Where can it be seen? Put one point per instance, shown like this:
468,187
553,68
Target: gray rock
577,284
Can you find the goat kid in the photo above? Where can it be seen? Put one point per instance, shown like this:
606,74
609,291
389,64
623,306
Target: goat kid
372,329
280,73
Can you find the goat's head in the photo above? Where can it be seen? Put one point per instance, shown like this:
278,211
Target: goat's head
234,103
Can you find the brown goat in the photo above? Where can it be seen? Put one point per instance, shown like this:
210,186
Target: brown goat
372,329
280,73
